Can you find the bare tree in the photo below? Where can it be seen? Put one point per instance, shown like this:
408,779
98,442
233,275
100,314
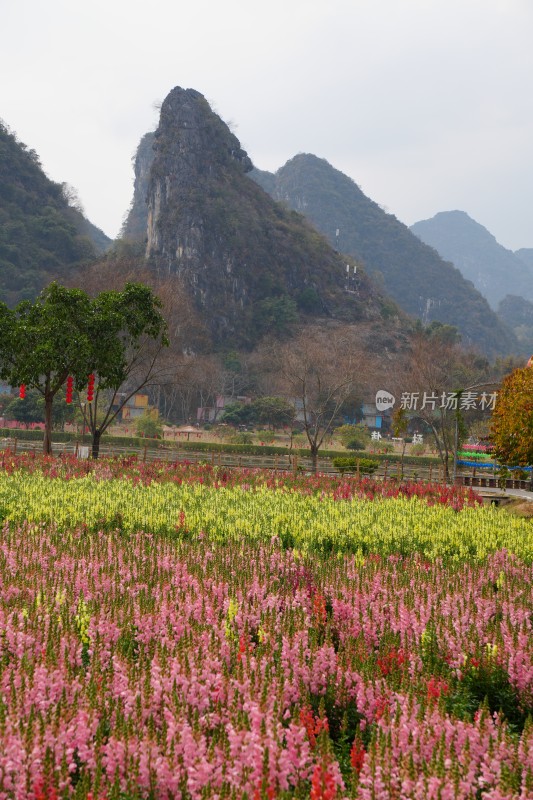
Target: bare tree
170,376
318,371
436,372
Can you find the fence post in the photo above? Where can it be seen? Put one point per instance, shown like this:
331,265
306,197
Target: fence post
144,453
385,468
430,472
15,446
358,465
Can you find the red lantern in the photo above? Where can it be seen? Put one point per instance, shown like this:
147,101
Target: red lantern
22,391
70,386
90,388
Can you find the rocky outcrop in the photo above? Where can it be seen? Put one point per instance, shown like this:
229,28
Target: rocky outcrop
252,266
134,228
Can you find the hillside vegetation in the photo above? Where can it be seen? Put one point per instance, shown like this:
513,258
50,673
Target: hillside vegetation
412,273
41,236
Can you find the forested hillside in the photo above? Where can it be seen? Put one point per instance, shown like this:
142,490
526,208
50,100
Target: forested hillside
42,236
517,312
412,273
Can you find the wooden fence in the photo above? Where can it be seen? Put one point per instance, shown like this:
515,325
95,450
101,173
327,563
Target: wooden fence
281,462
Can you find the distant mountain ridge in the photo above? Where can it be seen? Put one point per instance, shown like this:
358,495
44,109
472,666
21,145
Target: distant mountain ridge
411,272
525,254
42,236
494,270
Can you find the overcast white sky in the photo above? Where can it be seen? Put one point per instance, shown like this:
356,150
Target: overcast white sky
426,104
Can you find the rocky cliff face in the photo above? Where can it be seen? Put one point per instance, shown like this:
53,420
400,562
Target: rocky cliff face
251,266
135,225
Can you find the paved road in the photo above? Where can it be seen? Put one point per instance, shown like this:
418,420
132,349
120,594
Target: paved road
507,493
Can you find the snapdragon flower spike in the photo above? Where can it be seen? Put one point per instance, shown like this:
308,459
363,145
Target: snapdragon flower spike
22,391
142,658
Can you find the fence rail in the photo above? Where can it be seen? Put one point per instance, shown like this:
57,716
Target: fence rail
281,462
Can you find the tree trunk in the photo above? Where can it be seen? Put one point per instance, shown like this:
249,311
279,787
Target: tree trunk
446,463
404,445
96,444
314,458
47,441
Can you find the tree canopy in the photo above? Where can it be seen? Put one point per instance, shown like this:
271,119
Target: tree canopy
67,333
512,419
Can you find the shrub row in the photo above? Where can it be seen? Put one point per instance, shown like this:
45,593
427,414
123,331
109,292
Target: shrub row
365,466
215,447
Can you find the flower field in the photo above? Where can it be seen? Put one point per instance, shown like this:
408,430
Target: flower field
179,632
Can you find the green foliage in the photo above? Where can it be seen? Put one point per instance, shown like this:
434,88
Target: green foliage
517,313
41,237
237,413
31,409
273,411
344,464
412,273
267,436
42,343
231,362
355,444
442,333
64,332
121,322
385,447
276,314
309,300
353,437
242,438
149,426
34,435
